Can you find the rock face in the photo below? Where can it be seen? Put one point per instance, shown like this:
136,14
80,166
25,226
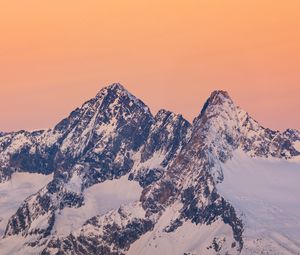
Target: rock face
177,165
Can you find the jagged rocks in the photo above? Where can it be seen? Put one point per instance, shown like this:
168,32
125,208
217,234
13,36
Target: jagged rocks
110,234
113,136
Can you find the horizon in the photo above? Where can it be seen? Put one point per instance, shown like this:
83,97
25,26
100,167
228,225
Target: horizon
172,55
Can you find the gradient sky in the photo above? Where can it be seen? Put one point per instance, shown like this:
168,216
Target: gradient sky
56,54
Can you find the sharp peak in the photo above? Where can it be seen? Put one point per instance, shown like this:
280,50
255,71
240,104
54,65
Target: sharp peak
219,93
115,87
117,90
217,97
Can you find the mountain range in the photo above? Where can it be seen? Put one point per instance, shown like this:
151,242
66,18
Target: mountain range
113,179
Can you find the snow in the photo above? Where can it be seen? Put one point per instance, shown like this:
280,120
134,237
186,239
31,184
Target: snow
122,92
74,185
154,162
99,199
14,245
14,191
106,130
297,145
189,238
266,193
17,143
122,217
50,137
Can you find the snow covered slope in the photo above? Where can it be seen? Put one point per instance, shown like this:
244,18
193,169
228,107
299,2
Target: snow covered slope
127,182
13,193
266,193
187,239
99,200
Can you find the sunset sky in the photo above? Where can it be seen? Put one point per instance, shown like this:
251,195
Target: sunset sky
54,55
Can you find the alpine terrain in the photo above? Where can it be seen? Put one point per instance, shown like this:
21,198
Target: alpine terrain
113,179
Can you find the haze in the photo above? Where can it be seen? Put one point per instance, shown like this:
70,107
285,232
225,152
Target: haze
54,55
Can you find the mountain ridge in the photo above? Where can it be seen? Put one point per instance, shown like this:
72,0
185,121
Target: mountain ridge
177,164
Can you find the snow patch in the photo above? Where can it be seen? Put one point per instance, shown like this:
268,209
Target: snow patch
266,192
74,185
187,239
99,199
297,145
16,190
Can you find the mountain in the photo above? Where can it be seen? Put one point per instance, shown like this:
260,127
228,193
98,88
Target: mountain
111,178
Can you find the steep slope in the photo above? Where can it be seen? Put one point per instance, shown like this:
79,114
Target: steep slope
79,137
126,182
96,143
257,171
185,185
220,130
105,139
167,137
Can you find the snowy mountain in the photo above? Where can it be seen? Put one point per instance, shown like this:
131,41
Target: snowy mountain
111,178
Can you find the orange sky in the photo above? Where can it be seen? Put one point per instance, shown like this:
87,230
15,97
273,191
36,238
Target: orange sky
56,54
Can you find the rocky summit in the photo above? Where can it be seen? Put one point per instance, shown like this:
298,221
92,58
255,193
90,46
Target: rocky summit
112,178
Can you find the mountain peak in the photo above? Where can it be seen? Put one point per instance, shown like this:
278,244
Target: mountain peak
115,88
117,94
217,98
